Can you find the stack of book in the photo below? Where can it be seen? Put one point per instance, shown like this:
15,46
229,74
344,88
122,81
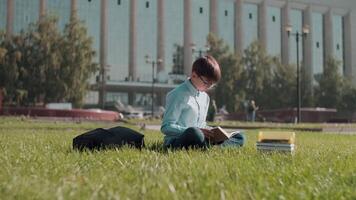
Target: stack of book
276,141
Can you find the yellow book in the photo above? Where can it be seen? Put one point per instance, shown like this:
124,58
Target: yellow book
276,137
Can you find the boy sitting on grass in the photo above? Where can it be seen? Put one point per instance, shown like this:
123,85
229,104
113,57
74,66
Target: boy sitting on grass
184,120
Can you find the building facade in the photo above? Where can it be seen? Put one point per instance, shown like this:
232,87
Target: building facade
127,32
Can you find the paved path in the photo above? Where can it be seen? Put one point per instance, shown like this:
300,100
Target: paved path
340,130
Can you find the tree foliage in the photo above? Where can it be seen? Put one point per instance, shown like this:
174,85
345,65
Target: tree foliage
329,89
266,80
333,90
10,67
252,75
348,98
41,60
77,65
256,75
306,84
178,59
3,50
283,87
228,91
42,64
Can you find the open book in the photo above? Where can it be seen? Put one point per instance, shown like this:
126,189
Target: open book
220,135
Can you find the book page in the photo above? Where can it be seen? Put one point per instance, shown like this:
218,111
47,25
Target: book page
220,135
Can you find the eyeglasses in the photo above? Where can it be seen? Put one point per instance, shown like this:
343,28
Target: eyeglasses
208,84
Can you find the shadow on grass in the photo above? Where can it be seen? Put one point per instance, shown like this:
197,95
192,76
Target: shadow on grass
155,146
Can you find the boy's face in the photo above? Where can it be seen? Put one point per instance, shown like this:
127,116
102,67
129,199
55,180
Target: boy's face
201,83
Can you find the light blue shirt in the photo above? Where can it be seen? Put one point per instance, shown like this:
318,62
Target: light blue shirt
185,107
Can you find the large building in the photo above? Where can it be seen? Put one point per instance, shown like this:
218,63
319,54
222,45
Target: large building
125,31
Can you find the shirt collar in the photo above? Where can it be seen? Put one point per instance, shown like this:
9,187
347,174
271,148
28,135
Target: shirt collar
191,87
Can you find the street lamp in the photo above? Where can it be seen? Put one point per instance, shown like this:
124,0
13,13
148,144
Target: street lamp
153,62
200,51
298,35
101,80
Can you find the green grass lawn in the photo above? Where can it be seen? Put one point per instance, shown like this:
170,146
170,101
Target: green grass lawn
37,162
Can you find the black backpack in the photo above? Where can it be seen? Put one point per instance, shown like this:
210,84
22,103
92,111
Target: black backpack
108,138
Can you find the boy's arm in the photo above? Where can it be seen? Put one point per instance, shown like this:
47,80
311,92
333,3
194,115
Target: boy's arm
204,124
173,111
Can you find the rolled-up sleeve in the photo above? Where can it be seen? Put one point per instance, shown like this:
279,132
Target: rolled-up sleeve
174,107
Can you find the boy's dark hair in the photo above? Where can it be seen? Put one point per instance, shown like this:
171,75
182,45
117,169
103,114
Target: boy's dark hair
208,67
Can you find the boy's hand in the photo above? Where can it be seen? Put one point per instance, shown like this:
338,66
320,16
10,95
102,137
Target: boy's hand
207,133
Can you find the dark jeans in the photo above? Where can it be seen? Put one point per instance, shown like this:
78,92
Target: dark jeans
191,138
194,138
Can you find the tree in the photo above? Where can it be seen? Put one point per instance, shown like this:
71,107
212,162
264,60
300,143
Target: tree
178,60
77,64
227,92
177,69
42,65
347,102
10,67
328,92
306,84
3,50
283,88
257,74
334,90
40,62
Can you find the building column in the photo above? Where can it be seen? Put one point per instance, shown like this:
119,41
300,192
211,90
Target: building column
73,8
262,24
239,39
42,9
308,47
348,46
160,36
9,18
133,41
187,37
285,38
213,17
103,49
329,36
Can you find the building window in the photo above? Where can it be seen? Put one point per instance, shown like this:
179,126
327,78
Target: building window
147,4
89,0
273,18
226,13
317,45
118,2
250,15
338,46
201,10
